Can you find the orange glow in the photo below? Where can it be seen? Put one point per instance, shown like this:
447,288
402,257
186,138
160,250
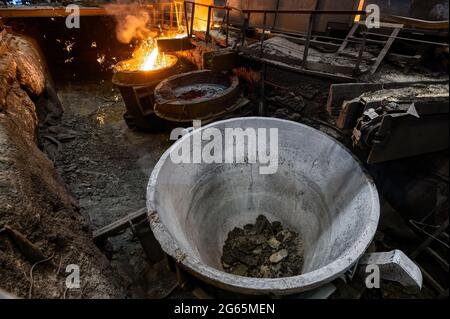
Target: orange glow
360,8
150,60
201,15
146,57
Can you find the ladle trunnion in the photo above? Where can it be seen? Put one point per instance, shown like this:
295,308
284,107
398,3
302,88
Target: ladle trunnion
319,191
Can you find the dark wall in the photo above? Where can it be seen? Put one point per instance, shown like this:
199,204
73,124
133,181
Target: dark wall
73,54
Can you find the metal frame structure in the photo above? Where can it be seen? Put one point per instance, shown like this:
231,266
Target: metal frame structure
190,24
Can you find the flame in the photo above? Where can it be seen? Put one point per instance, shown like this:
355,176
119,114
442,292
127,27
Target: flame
146,57
150,60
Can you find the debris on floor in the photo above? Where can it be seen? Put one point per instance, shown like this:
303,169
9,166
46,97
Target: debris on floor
41,228
263,250
82,129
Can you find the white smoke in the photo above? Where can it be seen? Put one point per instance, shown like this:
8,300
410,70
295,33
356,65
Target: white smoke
132,20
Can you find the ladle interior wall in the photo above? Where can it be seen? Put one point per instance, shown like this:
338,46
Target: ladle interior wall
319,191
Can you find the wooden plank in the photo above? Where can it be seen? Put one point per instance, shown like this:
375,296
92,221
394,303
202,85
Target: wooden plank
119,225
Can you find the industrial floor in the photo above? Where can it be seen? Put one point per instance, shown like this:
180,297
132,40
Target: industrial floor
106,167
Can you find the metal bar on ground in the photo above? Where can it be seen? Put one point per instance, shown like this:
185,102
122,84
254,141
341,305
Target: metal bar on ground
119,225
429,240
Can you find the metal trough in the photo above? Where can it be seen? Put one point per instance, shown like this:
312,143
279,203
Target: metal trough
319,190
198,95
137,90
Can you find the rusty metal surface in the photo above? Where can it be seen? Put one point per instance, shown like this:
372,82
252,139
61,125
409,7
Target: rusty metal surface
198,95
174,44
137,90
402,127
289,22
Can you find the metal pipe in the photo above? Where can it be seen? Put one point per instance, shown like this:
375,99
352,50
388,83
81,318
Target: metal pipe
263,34
227,27
308,40
208,27
244,27
276,15
192,19
408,39
360,54
162,16
171,18
429,240
186,19
262,101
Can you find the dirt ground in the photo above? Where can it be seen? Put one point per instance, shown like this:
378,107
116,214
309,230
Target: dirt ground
106,166
41,229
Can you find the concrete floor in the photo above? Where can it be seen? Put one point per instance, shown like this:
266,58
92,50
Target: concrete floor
106,167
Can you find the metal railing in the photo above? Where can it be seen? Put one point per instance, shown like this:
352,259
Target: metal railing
190,22
211,8
312,16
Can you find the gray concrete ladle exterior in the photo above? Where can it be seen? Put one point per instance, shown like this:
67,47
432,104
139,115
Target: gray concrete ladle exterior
320,190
